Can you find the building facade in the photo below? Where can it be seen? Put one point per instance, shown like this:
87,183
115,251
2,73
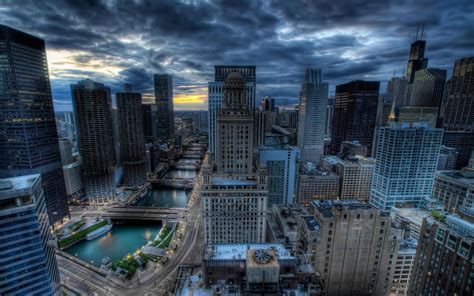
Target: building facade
428,88
28,258
355,113
315,183
29,138
164,101
132,137
73,178
406,161
92,107
216,95
454,189
312,116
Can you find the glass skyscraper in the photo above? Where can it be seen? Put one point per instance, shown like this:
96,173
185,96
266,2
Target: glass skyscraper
28,135
164,101
27,263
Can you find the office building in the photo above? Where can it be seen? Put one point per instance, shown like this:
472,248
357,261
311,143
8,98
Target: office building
443,261
73,178
164,101
28,262
406,161
312,116
316,183
403,267
416,62
353,148
150,122
282,167
447,158
409,220
288,118
329,113
65,150
216,95
264,120
132,137
355,175
428,115
355,113
29,138
92,106
268,104
458,111
428,88
352,246
235,128
282,224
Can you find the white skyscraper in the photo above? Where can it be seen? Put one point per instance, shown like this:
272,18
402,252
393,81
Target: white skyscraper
406,161
216,94
312,116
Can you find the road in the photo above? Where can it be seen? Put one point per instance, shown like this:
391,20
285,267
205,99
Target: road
190,250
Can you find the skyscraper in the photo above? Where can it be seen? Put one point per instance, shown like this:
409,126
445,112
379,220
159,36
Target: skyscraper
235,127
416,59
406,161
458,111
355,113
92,107
428,88
312,116
216,95
132,137
28,137
164,101
28,262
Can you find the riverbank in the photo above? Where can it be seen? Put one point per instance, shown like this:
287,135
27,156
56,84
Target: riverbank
81,234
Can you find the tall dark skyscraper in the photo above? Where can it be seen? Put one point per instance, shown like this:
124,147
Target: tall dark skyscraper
93,109
164,100
458,110
28,135
416,62
355,113
428,88
132,137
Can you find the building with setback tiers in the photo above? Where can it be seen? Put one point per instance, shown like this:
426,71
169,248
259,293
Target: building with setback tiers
355,113
28,137
132,137
352,246
28,262
92,106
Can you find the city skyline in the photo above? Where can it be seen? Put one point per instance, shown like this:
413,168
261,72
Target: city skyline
339,38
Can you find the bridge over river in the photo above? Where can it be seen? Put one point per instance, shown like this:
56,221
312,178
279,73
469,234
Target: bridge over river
143,213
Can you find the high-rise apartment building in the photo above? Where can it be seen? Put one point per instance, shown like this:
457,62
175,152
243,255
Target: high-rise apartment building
28,262
132,137
443,263
356,175
164,101
216,95
235,128
428,88
92,106
355,113
312,116
352,246
406,161
28,137
458,111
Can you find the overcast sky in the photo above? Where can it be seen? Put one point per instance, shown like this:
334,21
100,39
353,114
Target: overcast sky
114,42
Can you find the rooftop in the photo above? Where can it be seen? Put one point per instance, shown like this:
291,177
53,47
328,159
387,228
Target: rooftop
311,223
222,181
414,215
239,251
457,176
9,187
325,206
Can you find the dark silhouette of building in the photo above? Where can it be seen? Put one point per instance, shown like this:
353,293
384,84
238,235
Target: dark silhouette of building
132,137
355,113
428,88
28,135
92,106
164,100
416,59
457,112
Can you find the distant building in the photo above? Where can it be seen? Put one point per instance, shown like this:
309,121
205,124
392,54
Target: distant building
428,88
312,116
73,178
65,149
216,95
428,115
28,257
355,175
443,261
329,114
150,122
355,113
92,105
288,118
354,148
28,137
132,137
314,183
352,246
416,62
164,101
406,161
264,120
458,111
447,158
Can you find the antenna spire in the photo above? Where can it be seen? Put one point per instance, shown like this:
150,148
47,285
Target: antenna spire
423,31
416,36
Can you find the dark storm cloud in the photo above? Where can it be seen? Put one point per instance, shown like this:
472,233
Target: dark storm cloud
134,39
